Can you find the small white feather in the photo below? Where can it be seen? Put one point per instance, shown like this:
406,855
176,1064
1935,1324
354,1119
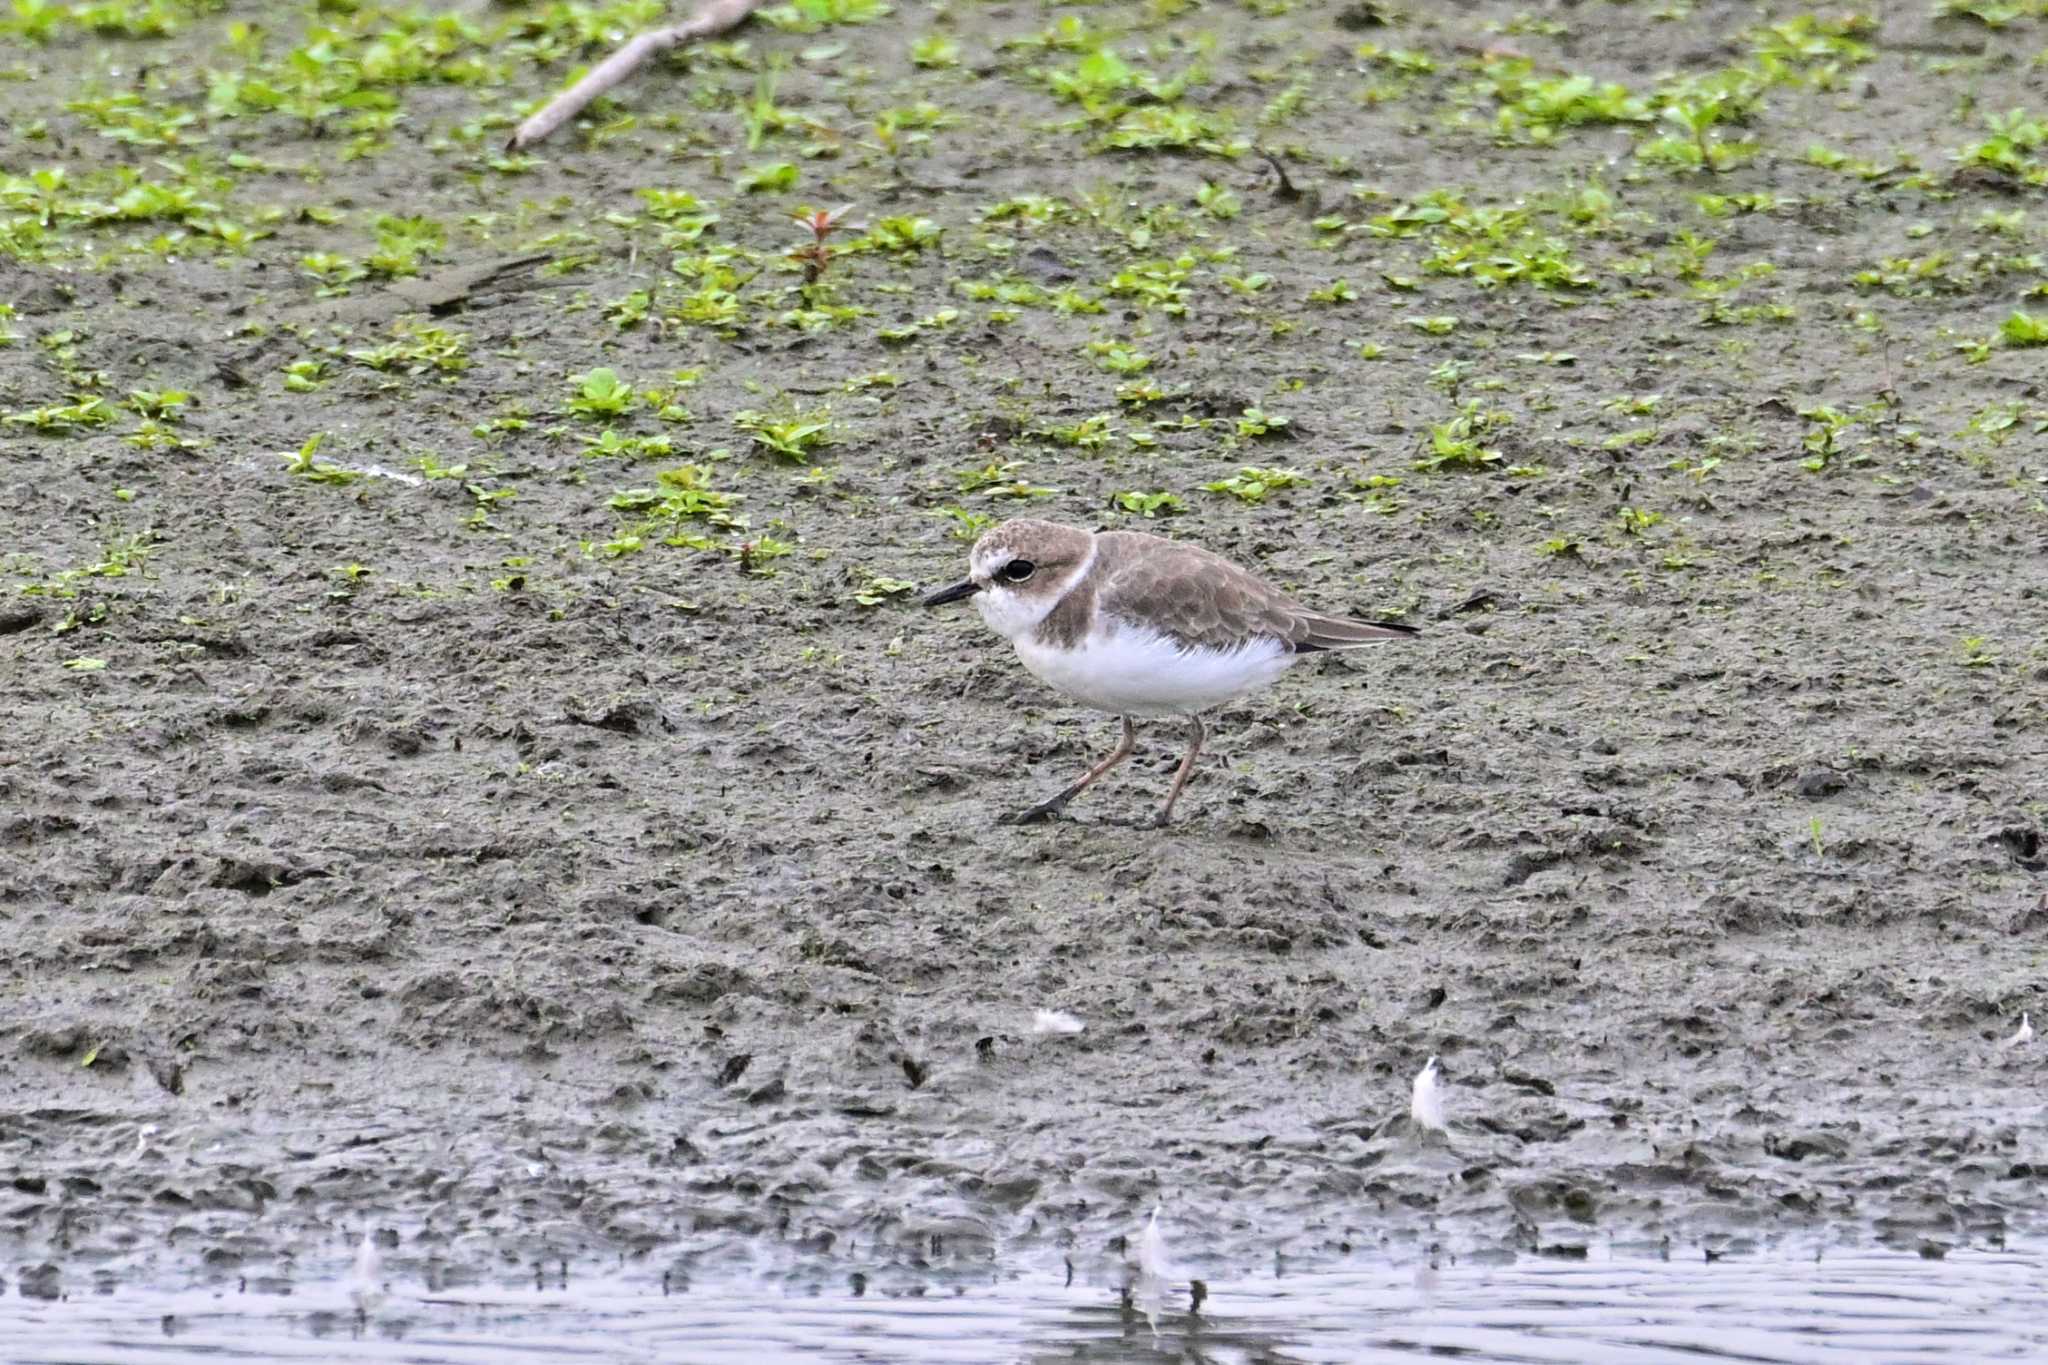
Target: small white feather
1426,1106
2024,1035
366,1276
1055,1022
1153,1263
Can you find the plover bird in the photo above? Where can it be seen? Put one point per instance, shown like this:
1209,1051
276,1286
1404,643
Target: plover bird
1137,625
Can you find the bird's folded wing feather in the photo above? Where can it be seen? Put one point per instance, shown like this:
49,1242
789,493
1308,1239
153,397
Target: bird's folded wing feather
1199,600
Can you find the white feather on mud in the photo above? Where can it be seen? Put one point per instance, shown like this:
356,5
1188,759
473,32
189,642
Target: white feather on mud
366,1275
1057,1023
2023,1035
1426,1104
1155,1271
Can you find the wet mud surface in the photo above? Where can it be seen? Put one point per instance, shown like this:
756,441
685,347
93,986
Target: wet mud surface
449,853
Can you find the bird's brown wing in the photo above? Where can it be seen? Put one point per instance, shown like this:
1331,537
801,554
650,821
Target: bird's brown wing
1200,599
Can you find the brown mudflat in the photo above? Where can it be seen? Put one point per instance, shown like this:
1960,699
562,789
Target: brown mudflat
453,854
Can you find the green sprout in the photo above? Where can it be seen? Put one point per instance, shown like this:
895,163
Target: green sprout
1255,485
795,436
600,393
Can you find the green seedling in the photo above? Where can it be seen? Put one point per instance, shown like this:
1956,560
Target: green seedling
681,494
794,436
431,468
934,51
303,464
609,445
1148,505
1457,444
901,236
1090,433
1218,202
1991,13
84,412
600,394
967,525
1256,424
756,556
1823,439
162,405
1637,521
1634,405
417,348
2024,329
1118,358
896,336
1975,652
876,589
1255,485
774,177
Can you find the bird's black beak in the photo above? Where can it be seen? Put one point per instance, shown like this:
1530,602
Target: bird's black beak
959,590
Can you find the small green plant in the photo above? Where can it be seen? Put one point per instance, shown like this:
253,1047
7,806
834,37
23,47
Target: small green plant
935,50
757,556
1256,424
1218,202
875,589
303,464
1255,485
1637,521
2024,329
1538,109
774,177
85,411
1974,652
1148,505
609,444
417,348
1990,13
966,525
1118,358
1458,443
795,436
162,405
1823,439
600,394
902,236
681,494
1090,433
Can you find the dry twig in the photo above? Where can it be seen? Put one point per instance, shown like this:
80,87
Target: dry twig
715,17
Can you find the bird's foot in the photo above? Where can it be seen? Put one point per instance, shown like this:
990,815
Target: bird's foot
1039,814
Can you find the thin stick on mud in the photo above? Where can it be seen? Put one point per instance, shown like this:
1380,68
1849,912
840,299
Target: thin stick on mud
715,17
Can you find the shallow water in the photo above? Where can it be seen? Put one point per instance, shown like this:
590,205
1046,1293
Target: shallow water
1848,1306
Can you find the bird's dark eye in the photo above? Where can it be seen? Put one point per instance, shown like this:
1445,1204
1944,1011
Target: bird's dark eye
1017,570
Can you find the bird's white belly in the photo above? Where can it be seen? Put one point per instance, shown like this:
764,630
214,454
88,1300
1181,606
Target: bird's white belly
1137,673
